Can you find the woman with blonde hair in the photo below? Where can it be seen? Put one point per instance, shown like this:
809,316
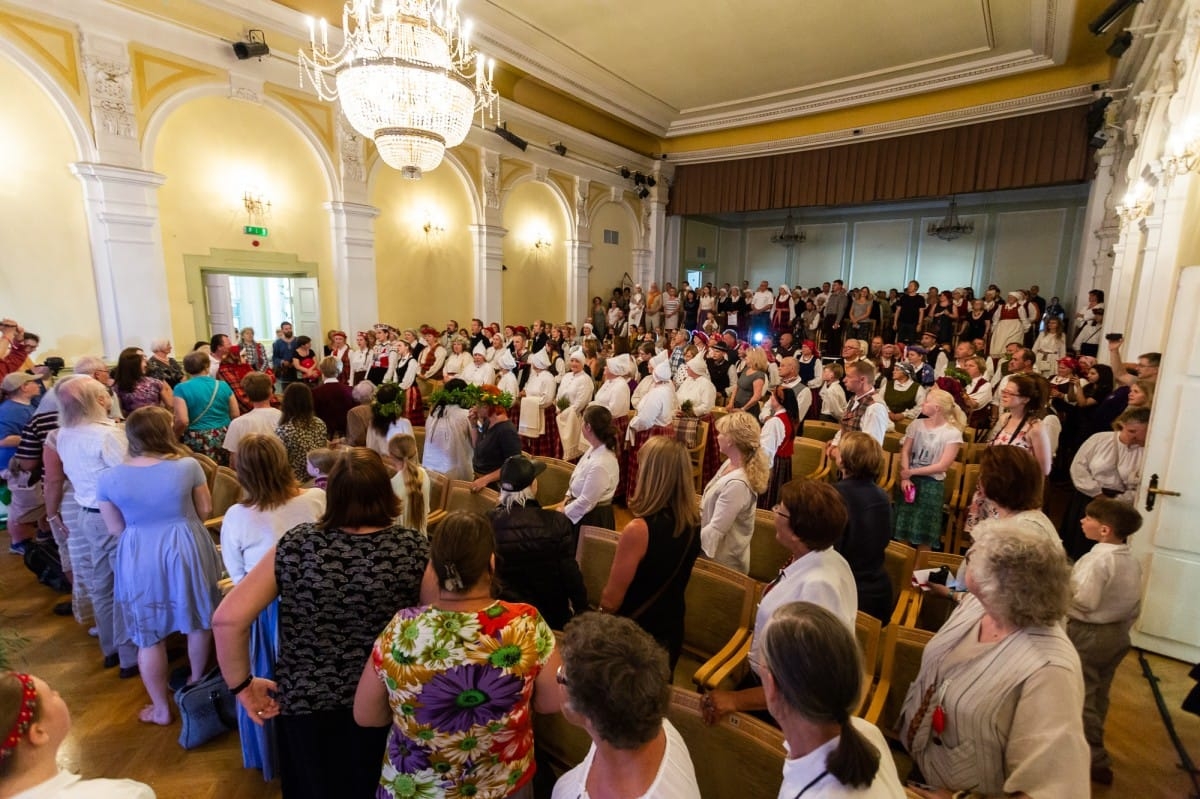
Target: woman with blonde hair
727,507
657,549
751,382
167,568
411,482
272,503
930,445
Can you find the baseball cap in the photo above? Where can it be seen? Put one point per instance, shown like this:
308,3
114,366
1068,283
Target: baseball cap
519,472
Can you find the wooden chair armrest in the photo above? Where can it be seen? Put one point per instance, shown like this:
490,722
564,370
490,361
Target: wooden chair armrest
435,517
878,698
558,506
737,661
700,678
213,526
916,599
900,612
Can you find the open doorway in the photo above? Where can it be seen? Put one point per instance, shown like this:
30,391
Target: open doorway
235,302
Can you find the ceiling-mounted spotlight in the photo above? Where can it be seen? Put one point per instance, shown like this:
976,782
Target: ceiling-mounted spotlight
559,148
650,181
1120,43
625,173
643,193
254,47
510,137
639,179
1109,16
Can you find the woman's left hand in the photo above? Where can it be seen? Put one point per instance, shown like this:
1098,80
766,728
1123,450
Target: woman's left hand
716,705
259,700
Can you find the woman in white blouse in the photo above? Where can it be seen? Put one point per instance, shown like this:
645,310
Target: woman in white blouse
727,506
1050,346
594,481
613,393
273,504
457,360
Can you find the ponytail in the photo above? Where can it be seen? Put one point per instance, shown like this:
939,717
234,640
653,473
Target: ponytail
855,760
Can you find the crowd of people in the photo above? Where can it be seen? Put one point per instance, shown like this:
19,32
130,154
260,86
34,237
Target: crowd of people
388,662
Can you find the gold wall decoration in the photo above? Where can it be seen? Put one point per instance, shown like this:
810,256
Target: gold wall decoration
158,75
52,47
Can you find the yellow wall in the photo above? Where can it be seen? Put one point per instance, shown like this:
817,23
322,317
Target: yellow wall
211,150
535,285
610,262
46,280
1189,242
423,277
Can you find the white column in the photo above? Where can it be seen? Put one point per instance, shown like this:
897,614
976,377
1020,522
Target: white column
643,268
668,261
127,255
1093,269
489,266
354,264
578,265
654,228
1165,230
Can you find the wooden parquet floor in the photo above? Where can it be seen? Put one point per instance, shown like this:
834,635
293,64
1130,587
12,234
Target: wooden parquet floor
108,741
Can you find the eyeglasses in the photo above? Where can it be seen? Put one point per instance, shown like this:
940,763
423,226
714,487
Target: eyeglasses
781,510
559,678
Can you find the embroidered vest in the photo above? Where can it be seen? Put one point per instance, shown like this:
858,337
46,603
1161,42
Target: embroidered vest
852,418
789,440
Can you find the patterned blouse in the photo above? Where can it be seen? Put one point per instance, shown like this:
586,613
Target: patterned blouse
146,391
460,686
299,439
336,592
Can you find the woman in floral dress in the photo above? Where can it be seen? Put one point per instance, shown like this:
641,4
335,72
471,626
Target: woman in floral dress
459,679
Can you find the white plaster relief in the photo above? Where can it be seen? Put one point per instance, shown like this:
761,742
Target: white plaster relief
111,88
490,167
352,151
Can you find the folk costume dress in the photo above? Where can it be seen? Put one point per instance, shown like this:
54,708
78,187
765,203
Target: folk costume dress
460,685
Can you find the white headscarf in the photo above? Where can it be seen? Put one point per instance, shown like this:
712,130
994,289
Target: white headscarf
662,372
619,365
505,361
698,365
540,360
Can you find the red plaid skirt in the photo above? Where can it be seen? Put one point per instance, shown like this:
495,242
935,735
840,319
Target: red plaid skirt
414,406
628,482
712,452
781,472
547,444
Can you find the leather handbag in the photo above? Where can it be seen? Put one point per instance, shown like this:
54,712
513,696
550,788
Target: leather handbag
207,710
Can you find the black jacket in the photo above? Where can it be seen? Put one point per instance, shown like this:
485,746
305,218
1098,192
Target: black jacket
535,561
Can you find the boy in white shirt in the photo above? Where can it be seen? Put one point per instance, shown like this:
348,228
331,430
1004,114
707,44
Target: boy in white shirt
1106,586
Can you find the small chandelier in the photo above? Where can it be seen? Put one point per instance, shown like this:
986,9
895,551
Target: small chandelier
951,227
788,237
406,77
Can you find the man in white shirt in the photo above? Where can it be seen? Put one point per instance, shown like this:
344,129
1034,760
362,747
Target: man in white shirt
789,378
261,418
760,307
865,411
937,356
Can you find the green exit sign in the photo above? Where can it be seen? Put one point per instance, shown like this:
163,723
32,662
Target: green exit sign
252,230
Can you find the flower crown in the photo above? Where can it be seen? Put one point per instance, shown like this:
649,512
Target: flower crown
490,394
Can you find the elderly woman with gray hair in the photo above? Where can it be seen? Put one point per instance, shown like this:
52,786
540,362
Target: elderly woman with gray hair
616,685
997,708
161,366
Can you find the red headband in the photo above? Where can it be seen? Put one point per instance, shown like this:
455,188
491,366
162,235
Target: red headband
24,715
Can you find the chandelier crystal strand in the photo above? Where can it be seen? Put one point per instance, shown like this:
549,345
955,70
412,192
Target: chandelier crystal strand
406,77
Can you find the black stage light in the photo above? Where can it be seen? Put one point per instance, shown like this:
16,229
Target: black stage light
1109,16
254,47
1120,43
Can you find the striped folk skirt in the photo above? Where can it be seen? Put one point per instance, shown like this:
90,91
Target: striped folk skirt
628,482
781,472
712,452
920,522
547,444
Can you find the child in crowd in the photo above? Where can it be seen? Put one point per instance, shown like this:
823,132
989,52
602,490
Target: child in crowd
1106,590
320,461
930,445
833,396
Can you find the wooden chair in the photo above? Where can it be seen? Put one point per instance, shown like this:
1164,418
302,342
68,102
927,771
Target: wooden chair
419,435
960,540
926,611
696,454
740,756
767,556
899,559
561,745
209,466
595,552
720,613
552,483
902,650
439,484
808,458
969,452
889,470
867,632
821,431
226,491
460,498
950,504
892,442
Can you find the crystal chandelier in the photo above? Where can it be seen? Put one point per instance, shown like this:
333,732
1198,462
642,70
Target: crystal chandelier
406,77
951,227
788,237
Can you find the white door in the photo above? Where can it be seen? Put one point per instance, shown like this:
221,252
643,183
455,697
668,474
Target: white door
307,311
220,305
1169,542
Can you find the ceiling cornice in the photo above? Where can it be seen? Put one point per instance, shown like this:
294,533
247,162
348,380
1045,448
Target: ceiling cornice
1048,101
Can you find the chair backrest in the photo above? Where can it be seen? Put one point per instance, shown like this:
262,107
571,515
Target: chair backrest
899,559
719,601
209,466
808,457
868,631
439,485
902,651
884,478
696,454
969,484
767,556
928,559
419,435
552,483
740,756
822,431
953,483
560,744
226,491
892,441
460,497
597,548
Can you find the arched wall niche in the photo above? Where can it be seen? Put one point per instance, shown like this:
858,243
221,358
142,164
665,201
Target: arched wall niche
535,281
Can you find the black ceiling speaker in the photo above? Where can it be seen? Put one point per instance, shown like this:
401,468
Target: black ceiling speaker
1109,16
1120,43
510,137
254,47
625,173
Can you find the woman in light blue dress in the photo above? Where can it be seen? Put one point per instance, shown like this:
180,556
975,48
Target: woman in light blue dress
167,567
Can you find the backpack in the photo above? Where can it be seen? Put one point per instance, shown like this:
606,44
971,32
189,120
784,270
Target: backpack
41,558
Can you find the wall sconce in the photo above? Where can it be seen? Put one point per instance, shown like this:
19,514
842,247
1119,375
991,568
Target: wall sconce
1183,150
541,242
258,208
432,226
1135,206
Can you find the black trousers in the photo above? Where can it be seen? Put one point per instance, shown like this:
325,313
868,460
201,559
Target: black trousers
325,755
831,337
